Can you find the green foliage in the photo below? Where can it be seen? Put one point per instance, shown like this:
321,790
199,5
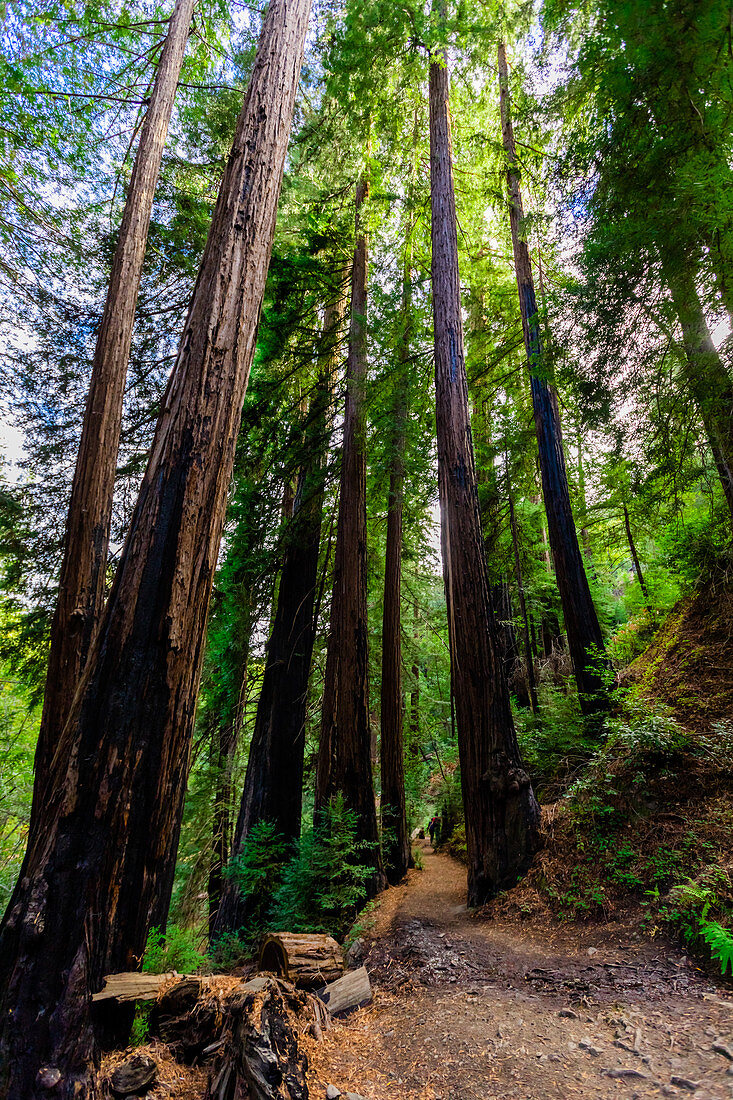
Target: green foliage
720,942
456,844
687,908
556,743
229,950
257,872
324,883
140,1032
317,885
18,733
175,949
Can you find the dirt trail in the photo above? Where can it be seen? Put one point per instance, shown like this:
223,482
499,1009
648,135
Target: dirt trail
473,1010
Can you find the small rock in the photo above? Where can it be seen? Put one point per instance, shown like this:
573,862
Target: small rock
134,1076
355,953
721,1048
592,951
572,1046
48,1077
353,1096
620,1073
684,1083
568,1014
587,1045
332,1093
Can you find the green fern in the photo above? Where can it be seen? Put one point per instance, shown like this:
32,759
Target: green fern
720,942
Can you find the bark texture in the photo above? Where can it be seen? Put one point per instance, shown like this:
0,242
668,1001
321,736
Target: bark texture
86,539
502,815
100,870
396,839
344,754
273,785
585,640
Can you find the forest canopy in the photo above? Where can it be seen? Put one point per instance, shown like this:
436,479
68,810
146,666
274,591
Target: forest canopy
368,420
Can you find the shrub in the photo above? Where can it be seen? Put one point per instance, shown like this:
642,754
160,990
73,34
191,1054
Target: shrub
325,882
174,949
257,872
457,844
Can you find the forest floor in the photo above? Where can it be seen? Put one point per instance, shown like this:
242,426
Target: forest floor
468,1008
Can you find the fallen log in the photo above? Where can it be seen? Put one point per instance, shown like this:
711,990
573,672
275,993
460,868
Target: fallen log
132,987
352,991
305,960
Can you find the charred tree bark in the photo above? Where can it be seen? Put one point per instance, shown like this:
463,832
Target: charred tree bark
86,539
344,753
100,869
707,377
585,639
502,816
396,839
528,654
273,784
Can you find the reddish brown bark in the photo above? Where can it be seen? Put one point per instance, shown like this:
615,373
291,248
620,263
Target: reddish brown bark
100,870
502,816
344,753
86,541
396,838
585,640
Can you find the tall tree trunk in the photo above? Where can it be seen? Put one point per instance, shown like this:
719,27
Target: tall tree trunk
225,738
585,639
344,753
396,839
86,540
705,371
501,601
635,556
414,737
502,816
273,784
100,869
528,654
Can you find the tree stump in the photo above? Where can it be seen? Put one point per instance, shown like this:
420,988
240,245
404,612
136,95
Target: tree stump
260,1058
308,961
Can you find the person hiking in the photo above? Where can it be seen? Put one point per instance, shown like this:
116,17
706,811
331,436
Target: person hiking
433,828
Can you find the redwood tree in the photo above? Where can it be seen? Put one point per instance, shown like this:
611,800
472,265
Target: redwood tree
273,784
344,754
393,807
502,815
86,540
585,640
99,870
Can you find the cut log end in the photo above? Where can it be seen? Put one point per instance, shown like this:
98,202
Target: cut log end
308,961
